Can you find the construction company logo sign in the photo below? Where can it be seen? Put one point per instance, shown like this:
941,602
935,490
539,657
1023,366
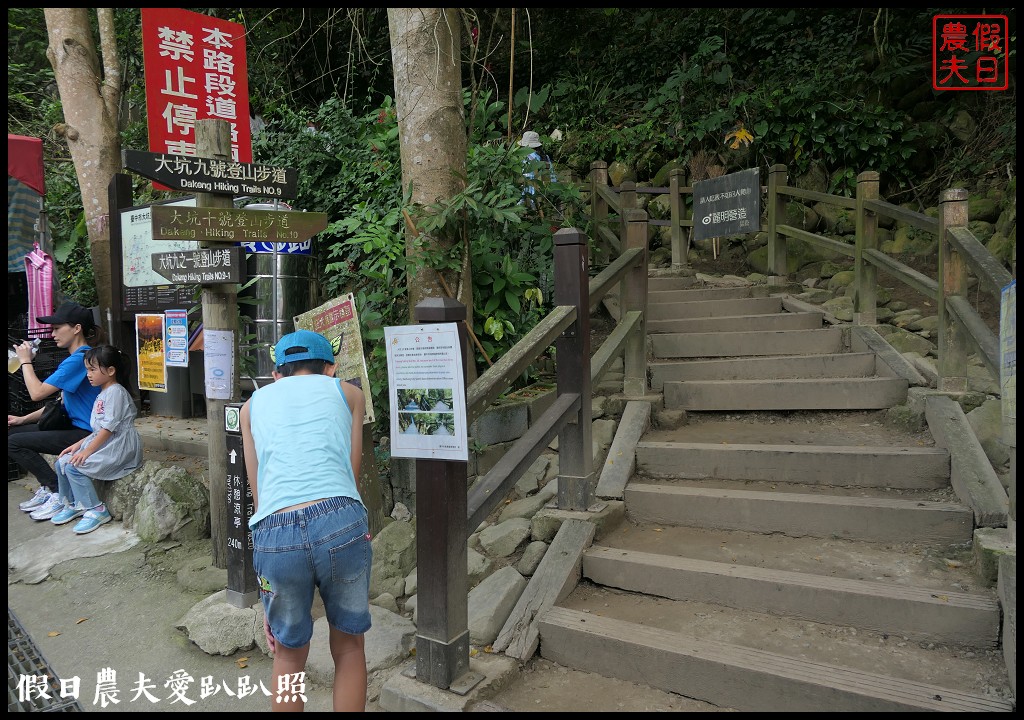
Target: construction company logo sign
970,52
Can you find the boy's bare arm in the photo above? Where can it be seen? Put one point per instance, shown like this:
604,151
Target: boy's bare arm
249,453
357,404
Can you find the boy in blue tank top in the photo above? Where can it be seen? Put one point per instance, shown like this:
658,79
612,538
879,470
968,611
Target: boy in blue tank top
303,438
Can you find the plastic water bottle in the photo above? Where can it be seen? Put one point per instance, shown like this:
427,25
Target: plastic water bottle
14,362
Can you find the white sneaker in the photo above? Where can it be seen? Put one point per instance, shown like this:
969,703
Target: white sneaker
50,508
41,496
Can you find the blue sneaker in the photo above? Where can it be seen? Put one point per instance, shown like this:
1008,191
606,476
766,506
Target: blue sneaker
69,513
92,520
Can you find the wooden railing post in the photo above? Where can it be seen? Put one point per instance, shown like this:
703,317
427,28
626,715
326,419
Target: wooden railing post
220,313
598,205
865,298
627,201
634,298
577,481
442,628
952,281
777,178
680,244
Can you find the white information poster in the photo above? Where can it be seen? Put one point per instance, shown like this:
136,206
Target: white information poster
427,392
176,331
219,362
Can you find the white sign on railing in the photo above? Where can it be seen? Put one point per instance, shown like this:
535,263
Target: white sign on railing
427,392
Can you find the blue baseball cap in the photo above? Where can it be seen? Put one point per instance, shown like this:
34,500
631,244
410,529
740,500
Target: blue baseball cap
303,345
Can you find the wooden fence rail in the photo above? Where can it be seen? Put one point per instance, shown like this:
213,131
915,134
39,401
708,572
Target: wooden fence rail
960,252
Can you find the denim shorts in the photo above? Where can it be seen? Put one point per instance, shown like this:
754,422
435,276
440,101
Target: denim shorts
325,545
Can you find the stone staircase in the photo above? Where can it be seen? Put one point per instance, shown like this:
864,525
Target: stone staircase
783,550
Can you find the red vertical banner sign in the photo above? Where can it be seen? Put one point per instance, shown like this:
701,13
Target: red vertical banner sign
195,70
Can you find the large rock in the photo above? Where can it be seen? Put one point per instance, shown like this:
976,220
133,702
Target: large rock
219,628
986,421
619,172
160,503
491,602
394,556
172,504
905,341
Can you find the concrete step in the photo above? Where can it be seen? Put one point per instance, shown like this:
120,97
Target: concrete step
733,675
800,514
658,295
713,308
833,465
817,394
778,367
671,283
920,614
739,323
825,341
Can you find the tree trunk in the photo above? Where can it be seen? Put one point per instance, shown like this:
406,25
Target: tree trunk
90,96
425,52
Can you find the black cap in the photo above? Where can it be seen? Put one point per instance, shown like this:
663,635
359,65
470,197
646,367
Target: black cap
70,313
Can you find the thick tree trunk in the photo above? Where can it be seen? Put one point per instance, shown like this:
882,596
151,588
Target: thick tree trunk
432,131
90,95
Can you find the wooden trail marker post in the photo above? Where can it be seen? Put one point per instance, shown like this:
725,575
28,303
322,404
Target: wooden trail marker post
220,313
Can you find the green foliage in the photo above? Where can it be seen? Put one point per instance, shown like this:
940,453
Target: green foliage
349,168
29,75
851,136
510,240
841,90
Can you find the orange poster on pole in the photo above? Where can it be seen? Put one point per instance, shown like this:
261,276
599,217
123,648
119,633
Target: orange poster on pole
149,344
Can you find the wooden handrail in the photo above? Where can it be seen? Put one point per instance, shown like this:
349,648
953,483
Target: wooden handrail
497,378
613,345
490,490
988,270
900,214
609,277
841,201
920,282
609,196
819,240
609,235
